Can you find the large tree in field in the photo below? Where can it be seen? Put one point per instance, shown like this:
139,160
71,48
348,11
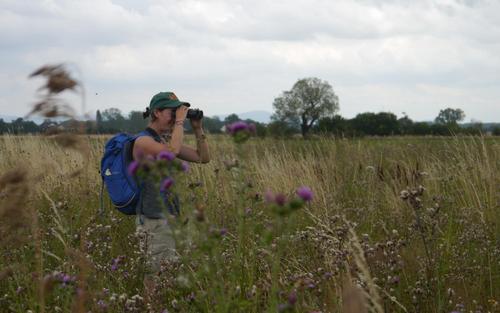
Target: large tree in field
450,116
309,100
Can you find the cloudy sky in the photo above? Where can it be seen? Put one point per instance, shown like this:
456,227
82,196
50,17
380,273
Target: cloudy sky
413,56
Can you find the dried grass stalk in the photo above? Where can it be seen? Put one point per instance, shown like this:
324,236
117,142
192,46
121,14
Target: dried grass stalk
353,298
15,216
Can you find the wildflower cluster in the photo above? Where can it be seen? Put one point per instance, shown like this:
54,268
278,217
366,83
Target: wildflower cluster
283,205
162,168
241,131
57,278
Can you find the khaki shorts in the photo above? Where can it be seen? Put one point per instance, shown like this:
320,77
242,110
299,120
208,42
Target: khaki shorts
157,241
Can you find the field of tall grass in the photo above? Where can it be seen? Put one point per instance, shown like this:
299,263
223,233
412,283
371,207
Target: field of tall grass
395,225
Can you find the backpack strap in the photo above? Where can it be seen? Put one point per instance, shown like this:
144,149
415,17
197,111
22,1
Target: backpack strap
152,133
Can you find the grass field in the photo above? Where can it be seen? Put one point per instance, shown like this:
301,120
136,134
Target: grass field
395,225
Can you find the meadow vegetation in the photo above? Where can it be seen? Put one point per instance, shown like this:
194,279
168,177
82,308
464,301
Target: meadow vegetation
401,224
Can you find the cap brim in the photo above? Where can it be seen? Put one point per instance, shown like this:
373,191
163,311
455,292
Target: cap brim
173,105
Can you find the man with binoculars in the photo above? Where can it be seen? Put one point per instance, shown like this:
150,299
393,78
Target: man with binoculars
167,116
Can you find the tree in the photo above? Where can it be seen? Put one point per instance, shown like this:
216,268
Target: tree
20,126
496,131
450,116
421,128
98,121
405,125
231,118
280,129
3,126
112,114
213,125
336,125
381,124
113,120
307,101
136,122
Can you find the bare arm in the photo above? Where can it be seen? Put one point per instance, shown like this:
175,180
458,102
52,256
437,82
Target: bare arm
201,153
146,145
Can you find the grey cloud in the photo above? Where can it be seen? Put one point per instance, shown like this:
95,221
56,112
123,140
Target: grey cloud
376,54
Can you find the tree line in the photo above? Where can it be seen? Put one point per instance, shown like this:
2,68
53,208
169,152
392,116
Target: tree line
309,107
364,124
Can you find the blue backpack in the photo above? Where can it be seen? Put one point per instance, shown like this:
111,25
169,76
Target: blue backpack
123,190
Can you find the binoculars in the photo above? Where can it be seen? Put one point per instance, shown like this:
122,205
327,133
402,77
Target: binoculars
192,114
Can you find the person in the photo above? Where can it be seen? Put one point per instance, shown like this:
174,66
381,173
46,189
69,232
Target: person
167,117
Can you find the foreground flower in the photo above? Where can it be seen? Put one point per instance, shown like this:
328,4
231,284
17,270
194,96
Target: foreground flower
305,193
166,184
132,168
280,199
269,196
237,127
241,131
165,155
184,166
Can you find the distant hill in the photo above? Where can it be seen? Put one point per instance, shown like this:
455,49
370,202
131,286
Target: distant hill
37,119
7,118
10,118
258,116
487,126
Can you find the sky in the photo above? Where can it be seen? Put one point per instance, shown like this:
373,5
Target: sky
233,56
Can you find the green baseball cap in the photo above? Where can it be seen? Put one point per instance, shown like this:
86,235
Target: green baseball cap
164,100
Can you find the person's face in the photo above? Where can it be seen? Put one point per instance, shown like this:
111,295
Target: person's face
165,118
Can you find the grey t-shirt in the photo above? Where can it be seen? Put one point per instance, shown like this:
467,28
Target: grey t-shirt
153,203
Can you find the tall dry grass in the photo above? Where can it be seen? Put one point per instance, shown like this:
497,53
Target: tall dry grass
438,255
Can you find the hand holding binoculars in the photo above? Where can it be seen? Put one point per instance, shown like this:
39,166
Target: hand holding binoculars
194,114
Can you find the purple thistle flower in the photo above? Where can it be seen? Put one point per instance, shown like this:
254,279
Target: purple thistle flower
114,267
236,127
66,279
269,196
166,184
305,193
132,168
280,199
184,166
165,155
223,231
